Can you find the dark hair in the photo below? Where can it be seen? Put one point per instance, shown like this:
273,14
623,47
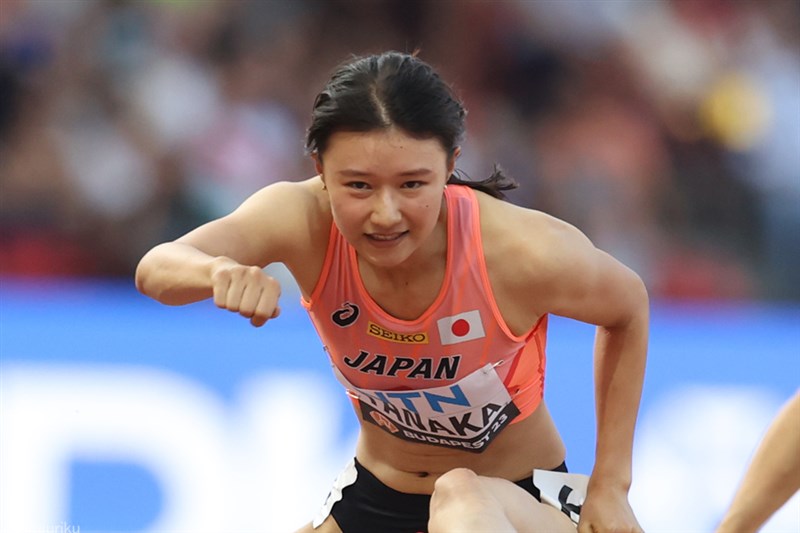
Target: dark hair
395,89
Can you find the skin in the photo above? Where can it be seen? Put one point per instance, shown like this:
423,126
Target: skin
772,477
384,190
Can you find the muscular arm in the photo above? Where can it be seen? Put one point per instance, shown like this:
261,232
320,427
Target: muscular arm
620,351
773,475
225,257
572,278
594,287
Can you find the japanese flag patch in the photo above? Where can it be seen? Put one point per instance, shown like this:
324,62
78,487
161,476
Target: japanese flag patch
461,327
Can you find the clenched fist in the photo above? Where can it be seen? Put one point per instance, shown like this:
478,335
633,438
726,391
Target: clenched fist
246,290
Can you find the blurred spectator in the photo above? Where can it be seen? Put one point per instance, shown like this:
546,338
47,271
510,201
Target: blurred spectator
668,131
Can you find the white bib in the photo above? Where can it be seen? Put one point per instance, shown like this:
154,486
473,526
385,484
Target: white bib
465,415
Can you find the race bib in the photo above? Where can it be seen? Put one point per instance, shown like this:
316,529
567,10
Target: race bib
466,415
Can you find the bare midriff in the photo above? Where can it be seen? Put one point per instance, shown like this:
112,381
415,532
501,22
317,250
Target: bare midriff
413,468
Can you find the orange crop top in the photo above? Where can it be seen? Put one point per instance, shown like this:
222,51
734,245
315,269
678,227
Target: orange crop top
453,377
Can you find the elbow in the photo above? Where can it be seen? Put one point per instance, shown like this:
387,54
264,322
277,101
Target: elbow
634,310
639,292
639,301
142,275
145,275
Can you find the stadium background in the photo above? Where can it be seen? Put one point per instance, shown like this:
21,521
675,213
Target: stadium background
669,131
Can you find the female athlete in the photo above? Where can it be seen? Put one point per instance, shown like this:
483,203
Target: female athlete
431,295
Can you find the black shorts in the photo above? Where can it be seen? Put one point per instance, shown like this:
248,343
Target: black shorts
367,505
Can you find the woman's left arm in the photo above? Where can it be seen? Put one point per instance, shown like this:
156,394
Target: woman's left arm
579,281
619,362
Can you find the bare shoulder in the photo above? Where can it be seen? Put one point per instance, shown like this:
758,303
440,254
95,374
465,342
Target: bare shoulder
283,203
292,218
540,264
537,241
282,222
535,261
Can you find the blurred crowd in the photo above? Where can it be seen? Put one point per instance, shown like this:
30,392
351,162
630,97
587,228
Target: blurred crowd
668,131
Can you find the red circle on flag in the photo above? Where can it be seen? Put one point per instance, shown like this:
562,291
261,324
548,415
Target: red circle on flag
460,327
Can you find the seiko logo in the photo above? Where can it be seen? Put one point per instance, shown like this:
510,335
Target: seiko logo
346,315
405,338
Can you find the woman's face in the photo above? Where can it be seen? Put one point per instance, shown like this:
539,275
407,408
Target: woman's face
386,191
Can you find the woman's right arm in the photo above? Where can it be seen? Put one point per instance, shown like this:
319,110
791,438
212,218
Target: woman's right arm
177,273
224,258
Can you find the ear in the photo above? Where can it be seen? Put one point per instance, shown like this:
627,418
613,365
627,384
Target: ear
317,163
451,162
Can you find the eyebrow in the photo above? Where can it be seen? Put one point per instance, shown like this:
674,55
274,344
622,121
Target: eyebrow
354,173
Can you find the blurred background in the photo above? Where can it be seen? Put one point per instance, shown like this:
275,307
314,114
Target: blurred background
668,131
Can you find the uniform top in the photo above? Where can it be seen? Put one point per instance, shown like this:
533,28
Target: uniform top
461,332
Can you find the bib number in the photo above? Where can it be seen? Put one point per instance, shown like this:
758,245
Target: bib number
466,415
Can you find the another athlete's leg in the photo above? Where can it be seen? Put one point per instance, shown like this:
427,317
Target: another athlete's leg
464,501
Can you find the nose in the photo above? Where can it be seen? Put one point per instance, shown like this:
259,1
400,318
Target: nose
385,209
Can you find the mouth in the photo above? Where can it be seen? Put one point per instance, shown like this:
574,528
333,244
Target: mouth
386,238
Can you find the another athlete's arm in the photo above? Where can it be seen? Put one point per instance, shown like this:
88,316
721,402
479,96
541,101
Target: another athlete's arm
773,475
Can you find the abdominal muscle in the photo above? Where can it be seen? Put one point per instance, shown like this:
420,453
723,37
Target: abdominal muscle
413,468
